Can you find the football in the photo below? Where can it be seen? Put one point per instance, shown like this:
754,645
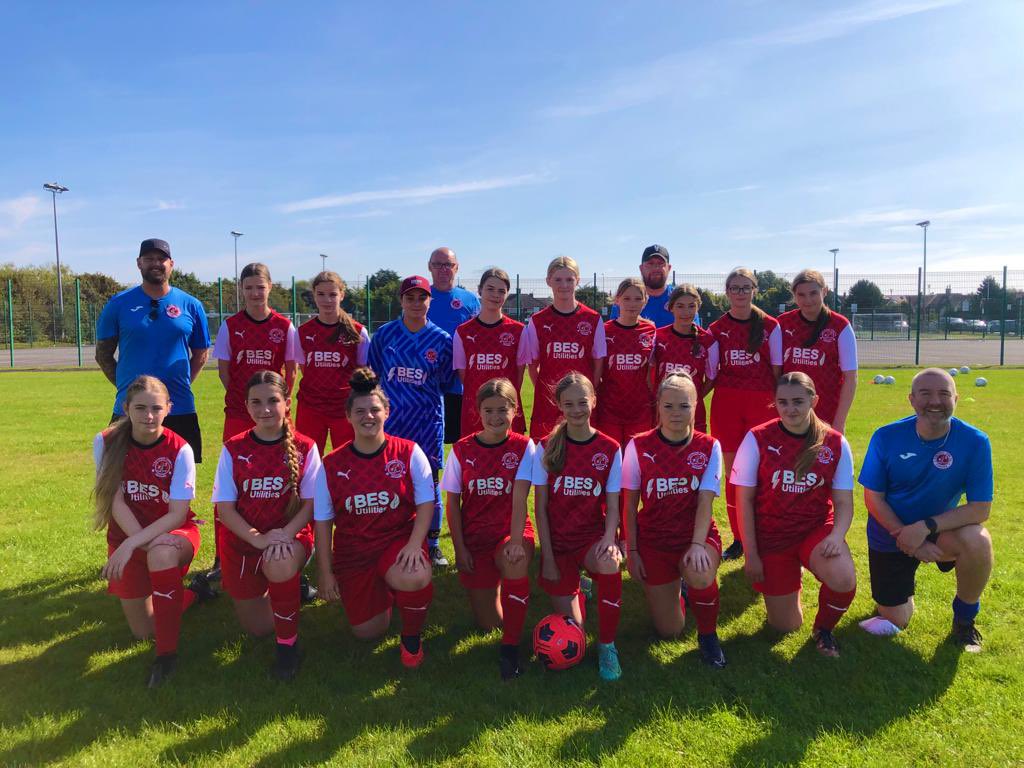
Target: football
559,642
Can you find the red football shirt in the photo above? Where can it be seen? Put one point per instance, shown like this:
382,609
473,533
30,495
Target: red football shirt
834,352
483,352
625,392
253,345
739,369
692,354
327,367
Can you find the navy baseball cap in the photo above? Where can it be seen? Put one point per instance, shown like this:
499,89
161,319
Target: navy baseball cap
652,251
154,244
414,282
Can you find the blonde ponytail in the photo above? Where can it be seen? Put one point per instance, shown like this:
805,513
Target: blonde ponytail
815,438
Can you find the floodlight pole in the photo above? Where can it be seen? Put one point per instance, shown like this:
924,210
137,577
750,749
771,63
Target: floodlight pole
54,188
323,262
835,279
238,293
924,268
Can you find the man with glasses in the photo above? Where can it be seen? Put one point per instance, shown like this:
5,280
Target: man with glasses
159,330
450,307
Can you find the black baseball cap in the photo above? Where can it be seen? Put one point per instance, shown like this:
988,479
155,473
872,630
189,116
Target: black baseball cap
154,244
654,250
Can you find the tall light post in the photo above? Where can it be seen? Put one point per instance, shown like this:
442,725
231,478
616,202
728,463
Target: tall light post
56,189
238,293
323,262
835,279
924,267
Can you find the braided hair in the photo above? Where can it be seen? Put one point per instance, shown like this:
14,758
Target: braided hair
291,451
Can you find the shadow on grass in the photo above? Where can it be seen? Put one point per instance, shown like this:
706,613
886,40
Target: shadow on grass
74,677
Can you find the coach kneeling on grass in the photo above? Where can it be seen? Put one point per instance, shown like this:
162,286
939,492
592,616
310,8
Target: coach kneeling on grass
914,475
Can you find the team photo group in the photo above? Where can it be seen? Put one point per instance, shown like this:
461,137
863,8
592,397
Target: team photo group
333,456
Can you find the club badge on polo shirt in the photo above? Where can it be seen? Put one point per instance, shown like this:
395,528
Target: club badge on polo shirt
456,303
943,460
173,311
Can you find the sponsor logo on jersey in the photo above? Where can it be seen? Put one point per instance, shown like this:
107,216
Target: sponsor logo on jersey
507,339
647,455
790,332
943,460
246,459
490,486
472,338
670,368
828,335
456,304
395,469
565,350
741,358
776,449
697,461
825,455
627,361
373,503
488,361
135,309
271,487
173,311
276,335
163,467
311,338
137,491
660,487
804,356
600,461
906,456
787,481
583,328
430,355
571,485
339,473
256,356
327,359
403,374
510,460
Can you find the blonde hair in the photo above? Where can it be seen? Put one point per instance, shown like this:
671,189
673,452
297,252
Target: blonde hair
497,272
631,282
115,447
564,262
756,337
554,444
815,438
291,451
499,387
346,325
813,276
362,383
681,381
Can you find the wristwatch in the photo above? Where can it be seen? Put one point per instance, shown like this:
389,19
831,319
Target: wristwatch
933,530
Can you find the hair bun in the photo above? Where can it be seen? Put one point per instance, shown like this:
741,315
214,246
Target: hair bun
363,381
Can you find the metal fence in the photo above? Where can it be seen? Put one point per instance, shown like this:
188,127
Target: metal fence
958,318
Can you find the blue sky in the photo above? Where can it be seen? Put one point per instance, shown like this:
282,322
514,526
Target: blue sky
761,133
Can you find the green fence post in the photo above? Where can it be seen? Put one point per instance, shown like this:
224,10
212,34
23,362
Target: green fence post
917,342
295,305
220,302
596,308
78,318
31,335
835,290
10,318
366,293
519,301
1002,324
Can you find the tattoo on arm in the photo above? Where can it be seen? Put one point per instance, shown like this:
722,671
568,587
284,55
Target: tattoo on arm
105,349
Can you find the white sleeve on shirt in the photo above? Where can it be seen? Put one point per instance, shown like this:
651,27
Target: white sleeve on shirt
314,468
615,474
600,348
843,478
539,476
711,480
744,466
364,346
525,471
458,353
422,476
451,475
222,345
529,346
711,369
97,451
183,479
224,488
775,346
847,343
293,346
631,468
323,504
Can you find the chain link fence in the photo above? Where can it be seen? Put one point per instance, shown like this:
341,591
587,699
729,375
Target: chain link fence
942,318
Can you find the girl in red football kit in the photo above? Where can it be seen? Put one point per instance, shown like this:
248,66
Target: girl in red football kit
487,478
676,472
794,478
264,496
376,495
685,347
145,481
625,406
820,343
749,362
489,346
331,346
563,338
255,339
576,476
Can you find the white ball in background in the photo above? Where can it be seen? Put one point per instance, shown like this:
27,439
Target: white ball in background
879,379
965,369
890,379
954,371
981,381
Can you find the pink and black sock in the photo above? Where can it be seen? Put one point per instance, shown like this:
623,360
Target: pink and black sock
413,608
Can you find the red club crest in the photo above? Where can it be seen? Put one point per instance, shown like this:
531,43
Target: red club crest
395,469
943,460
163,467
600,462
583,329
697,461
173,310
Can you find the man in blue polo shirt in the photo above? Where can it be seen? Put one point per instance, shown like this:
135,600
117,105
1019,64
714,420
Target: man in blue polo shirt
157,330
450,307
915,474
655,269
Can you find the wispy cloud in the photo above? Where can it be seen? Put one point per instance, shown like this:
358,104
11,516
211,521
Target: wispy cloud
906,216
167,205
413,194
16,211
730,190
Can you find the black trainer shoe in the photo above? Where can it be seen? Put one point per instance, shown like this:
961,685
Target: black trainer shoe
163,667
826,643
734,551
307,592
508,662
201,586
437,558
214,573
286,664
966,636
711,650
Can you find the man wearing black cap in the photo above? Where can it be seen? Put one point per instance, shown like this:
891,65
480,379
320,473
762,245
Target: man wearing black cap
655,270
157,330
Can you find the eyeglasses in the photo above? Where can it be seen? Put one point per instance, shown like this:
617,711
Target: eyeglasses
154,305
446,266
741,290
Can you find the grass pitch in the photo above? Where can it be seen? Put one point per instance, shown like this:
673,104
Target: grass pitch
72,677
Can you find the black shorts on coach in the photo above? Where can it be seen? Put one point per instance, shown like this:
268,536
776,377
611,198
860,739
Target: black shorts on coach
893,575
452,417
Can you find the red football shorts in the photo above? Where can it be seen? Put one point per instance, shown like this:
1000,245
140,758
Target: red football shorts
364,592
734,412
234,425
242,572
782,574
486,574
665,566
569,566
623,432
134,582
316,424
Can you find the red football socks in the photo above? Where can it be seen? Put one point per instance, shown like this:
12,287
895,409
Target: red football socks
167,608
704,603
609,603
413,607
730,507
515,598
285,603
831,607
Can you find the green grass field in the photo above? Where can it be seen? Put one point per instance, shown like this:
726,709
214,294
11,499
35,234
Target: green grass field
72,677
